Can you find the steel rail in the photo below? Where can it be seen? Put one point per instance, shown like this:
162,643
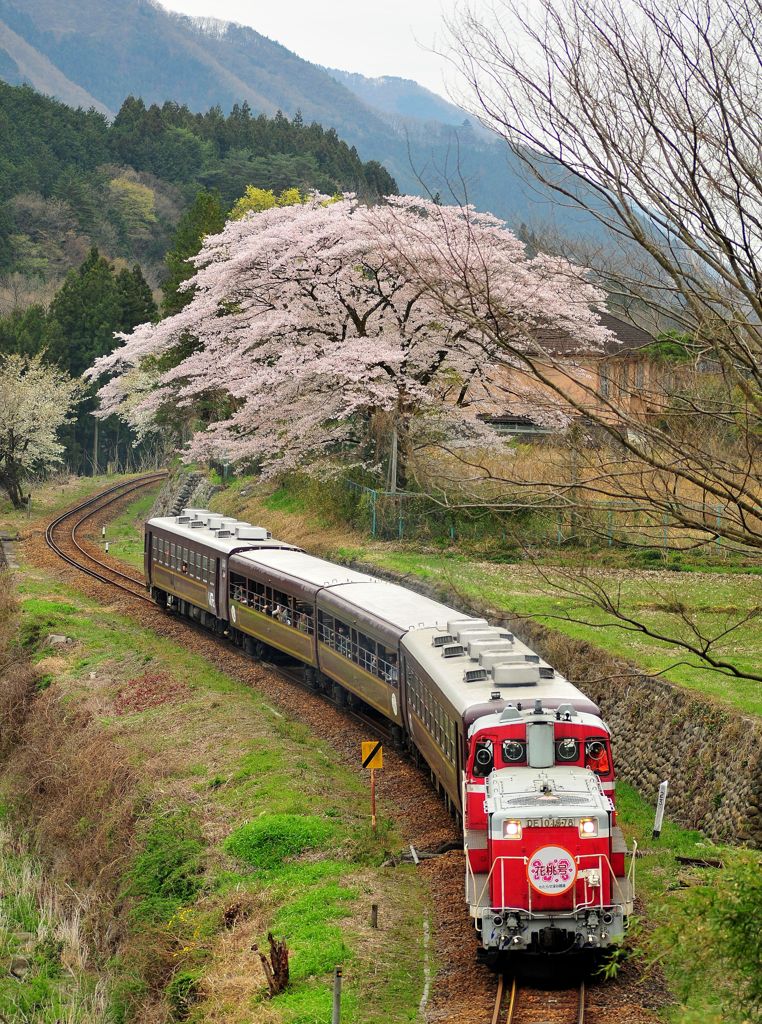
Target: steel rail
90,507
499,999
513,1003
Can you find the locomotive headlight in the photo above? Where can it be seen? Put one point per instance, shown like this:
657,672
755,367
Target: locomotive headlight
588,827
512,830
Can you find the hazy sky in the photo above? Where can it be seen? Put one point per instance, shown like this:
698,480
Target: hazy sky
393,37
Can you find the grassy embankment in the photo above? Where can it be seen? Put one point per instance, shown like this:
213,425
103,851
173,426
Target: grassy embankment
715,594
190,817
685,932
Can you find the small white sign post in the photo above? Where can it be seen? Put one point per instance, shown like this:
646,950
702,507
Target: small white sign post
660,804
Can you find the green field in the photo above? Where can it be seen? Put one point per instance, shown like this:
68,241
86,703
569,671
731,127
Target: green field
125,533
660,599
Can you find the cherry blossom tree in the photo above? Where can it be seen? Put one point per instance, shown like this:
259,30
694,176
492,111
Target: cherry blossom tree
36,399
307,329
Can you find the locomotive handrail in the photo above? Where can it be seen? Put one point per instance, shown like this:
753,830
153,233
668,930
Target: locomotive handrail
599,857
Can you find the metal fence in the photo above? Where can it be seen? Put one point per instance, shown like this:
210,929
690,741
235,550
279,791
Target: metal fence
408,515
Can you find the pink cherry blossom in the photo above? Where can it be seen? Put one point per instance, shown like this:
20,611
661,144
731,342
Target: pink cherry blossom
314,319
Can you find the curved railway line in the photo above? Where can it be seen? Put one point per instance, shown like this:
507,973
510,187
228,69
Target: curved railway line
61,538
517,1005
92,566
514,1004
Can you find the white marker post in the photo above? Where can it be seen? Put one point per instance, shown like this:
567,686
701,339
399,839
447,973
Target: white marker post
660,804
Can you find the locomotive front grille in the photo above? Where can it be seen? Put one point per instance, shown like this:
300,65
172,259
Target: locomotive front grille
559,800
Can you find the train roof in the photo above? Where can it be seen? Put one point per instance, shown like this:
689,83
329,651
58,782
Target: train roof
449,674
219,533
298,565
527,714
391,604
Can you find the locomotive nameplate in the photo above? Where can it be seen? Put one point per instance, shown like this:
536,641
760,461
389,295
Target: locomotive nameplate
550,822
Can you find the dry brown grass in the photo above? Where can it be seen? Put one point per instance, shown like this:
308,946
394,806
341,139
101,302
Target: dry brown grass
77,790
17,677
236,974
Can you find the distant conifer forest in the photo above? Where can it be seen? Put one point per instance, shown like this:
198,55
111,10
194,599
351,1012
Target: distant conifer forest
97,219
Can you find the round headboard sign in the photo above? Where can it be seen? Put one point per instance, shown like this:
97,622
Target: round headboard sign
551,870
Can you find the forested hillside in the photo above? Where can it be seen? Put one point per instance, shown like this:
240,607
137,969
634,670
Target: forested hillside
70,180
94,216
106,50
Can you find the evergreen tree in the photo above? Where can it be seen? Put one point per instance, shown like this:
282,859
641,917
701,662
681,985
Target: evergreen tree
205,217
135,298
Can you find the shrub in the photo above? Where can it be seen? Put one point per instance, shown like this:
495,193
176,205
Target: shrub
266,842
735,917
714,934
182,992
167,873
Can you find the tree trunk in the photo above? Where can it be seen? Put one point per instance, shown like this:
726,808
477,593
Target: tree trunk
10,479
276,966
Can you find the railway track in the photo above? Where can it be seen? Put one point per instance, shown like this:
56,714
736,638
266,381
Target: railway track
61,534
517,1005
61,537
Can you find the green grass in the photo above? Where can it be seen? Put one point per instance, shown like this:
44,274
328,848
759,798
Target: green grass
30,918
689,934
124,534
243,779
167,872
715,601
50,497
271,838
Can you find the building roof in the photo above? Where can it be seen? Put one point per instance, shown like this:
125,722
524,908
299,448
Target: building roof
627,338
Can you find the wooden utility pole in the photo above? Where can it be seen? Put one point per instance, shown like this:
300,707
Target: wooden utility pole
95,446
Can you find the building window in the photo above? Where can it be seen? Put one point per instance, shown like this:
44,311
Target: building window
604,379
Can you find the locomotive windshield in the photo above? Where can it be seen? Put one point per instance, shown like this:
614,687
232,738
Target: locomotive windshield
567,749
484,759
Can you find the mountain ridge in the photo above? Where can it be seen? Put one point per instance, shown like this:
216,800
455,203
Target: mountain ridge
111,49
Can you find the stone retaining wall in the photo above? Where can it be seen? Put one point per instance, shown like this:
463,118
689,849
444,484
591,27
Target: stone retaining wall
711,754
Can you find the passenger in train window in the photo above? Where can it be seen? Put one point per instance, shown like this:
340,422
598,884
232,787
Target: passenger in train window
342,639
300,618
596,757
392,673
184,568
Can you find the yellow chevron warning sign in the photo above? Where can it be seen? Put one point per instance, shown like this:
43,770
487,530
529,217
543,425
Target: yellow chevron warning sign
372,754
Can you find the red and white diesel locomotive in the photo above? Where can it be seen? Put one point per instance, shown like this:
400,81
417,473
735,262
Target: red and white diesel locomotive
517,750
